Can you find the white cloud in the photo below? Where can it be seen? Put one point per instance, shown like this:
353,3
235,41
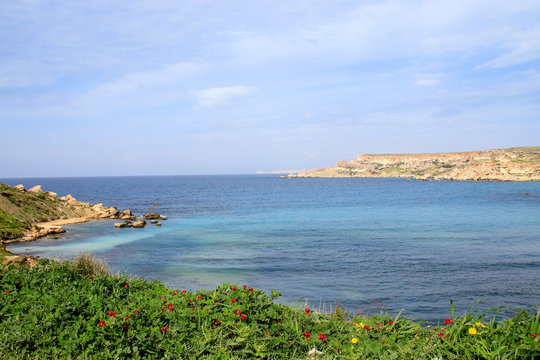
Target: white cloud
218,95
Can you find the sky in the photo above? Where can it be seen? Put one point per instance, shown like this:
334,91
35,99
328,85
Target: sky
106,88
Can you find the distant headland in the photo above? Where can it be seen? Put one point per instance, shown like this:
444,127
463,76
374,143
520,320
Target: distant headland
512,164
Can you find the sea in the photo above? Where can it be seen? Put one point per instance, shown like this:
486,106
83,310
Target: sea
370,245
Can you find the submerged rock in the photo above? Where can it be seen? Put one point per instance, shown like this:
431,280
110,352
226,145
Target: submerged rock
120,225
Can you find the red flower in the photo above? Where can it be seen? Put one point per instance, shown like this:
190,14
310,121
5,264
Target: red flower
218,322
265,332
322,337
245,286
250,289
307,310
243,317
366,327
126,285
233,300
199,297
91,278
174,293
136,311
447,321
377,323
183,291
239,312
111,313
7,291
234,288
534,335
390,323
163,329
101,323
306,335
440,335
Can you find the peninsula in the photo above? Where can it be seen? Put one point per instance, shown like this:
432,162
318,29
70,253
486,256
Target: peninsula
512,164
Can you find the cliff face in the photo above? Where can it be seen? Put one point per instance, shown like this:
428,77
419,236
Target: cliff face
513,164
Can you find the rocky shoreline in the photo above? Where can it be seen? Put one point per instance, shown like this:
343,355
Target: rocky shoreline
512,164
39,214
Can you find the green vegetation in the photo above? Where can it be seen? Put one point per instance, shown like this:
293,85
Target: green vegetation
11,227
77,310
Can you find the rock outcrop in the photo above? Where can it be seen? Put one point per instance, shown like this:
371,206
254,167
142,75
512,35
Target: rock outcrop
513,164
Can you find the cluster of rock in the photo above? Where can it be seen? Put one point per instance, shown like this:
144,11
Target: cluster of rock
513,164
152,216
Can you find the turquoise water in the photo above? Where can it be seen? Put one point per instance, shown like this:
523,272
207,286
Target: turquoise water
374,244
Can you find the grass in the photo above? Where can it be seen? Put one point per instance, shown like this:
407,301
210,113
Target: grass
76,310
11,227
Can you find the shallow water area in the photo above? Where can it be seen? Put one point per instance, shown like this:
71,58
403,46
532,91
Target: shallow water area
377,244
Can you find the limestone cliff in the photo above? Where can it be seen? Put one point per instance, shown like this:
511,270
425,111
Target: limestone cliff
512,164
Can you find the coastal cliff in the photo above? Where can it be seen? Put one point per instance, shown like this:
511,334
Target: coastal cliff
512,164
26,215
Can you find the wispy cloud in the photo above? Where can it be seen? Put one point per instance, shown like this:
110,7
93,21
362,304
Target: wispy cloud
214,96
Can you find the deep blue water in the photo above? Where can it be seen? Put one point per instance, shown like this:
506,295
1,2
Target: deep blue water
367,243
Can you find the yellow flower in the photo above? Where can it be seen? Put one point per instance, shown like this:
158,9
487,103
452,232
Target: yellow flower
472,331
354,340
480,324
360,325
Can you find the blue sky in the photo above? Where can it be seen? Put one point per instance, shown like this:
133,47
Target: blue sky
221,87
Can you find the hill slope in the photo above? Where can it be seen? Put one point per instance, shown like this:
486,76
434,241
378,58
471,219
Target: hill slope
512,164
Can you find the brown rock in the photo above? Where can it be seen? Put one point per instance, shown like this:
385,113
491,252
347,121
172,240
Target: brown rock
20,187
153,221
158,224
120,225
152,215
139,224
36,189
156,204
52,194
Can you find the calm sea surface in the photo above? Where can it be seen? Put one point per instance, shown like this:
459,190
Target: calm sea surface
374,244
